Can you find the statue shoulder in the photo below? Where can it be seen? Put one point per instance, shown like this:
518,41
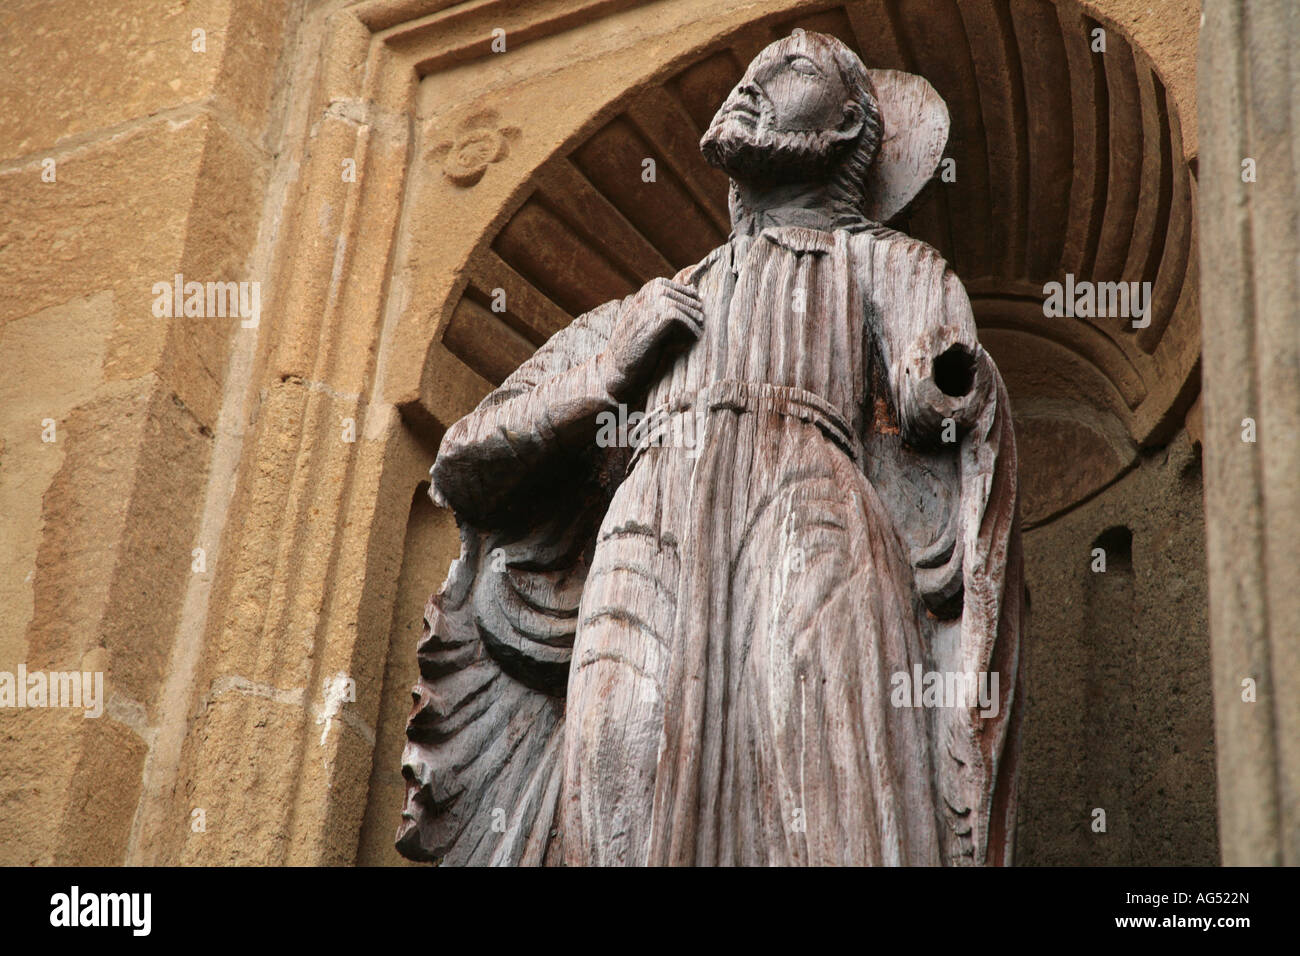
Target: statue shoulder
888,264
691,275
878,239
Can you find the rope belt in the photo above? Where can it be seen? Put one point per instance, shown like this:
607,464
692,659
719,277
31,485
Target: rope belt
685,416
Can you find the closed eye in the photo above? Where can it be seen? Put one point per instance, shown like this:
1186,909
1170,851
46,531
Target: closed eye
801,64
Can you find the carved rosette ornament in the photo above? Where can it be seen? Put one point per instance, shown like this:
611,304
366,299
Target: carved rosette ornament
784,625
479,142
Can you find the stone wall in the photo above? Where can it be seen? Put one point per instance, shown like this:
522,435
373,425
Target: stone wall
1119,715
1252,404
133,148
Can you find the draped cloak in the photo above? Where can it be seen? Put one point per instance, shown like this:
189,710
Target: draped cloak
693,657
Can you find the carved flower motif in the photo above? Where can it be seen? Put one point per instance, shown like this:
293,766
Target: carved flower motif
478,143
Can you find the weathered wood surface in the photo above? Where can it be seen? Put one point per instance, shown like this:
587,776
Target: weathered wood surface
689,651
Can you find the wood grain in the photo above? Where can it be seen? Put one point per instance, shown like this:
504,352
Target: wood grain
685,645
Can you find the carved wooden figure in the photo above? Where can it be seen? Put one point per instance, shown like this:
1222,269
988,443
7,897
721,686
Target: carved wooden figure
747,634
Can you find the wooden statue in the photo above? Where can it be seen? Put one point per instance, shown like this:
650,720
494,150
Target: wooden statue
734,637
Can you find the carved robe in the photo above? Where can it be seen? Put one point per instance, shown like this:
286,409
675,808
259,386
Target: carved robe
726,621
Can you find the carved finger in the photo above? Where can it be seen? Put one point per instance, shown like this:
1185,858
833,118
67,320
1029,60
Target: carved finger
696,318
692,314
689,303
687,290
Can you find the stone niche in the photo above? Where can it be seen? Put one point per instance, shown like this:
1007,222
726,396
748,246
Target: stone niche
499,153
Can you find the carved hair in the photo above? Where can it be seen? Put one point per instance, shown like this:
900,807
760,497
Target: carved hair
849,180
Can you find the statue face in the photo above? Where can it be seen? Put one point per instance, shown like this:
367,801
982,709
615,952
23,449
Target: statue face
790,118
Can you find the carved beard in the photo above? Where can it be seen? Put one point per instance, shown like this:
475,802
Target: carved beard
772,156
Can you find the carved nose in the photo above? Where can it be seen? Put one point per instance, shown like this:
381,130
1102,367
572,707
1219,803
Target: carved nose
746,99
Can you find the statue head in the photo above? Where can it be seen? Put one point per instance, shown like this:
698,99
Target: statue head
805,111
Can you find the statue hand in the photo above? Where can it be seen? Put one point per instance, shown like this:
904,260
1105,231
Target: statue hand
663,313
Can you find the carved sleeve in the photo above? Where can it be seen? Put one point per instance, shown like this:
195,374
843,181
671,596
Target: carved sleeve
545,410
940,373
485,734
952,491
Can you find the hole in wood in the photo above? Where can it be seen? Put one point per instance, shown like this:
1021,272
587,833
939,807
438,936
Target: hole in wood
954,370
